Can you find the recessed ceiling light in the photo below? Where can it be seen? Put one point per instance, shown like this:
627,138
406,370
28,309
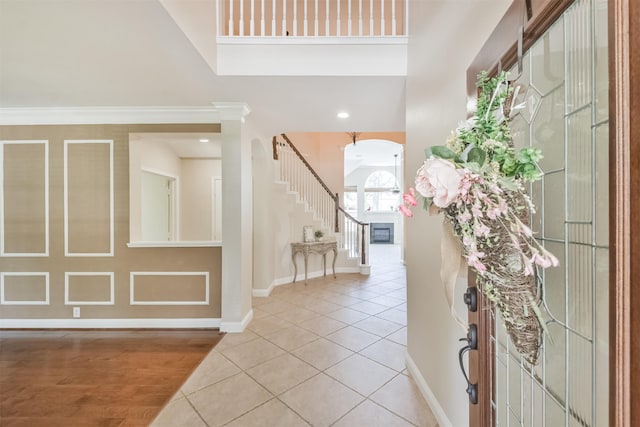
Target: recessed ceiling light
343,115
204,140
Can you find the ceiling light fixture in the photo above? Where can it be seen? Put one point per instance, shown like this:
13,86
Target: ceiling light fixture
395,189
204,140
343,115
354,136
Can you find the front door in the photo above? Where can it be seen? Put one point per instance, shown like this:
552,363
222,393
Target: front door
564,91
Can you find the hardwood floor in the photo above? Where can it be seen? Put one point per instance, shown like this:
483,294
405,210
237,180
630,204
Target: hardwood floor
97,377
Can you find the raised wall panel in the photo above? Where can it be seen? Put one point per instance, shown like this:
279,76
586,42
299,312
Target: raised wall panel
88,197
24,198
169,288
88,288
24,288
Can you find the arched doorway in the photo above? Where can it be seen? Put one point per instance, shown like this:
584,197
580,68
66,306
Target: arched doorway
373,188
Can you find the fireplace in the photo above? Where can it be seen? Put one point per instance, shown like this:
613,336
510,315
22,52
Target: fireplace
381,232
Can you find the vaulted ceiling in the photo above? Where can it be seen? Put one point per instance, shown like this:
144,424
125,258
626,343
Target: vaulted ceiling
79,53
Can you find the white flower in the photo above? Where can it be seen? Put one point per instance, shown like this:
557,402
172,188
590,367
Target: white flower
440,180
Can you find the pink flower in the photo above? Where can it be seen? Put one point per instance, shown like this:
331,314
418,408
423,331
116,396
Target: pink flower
481,230
476,210
528,268
409,198
493,213
474,260
440,180
464,217
541,260
405,211
469,242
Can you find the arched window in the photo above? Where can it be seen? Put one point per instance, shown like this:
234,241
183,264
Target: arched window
378,194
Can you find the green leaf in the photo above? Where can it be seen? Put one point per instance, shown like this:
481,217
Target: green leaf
427,203
508,183
442,152
477,155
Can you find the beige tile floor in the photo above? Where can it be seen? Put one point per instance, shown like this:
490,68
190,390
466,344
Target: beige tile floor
331,353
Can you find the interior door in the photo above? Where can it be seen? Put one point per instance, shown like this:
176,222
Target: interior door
157,207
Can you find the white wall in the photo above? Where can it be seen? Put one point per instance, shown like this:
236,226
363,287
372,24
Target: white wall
153,157
195,197
444,38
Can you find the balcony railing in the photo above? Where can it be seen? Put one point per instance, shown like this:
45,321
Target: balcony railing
312,18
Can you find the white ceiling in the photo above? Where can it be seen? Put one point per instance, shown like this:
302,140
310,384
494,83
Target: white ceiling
185,145
76,53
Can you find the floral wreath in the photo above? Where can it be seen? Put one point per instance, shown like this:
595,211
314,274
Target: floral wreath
477,180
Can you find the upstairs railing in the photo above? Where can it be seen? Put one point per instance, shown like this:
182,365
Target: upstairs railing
298,173
319,18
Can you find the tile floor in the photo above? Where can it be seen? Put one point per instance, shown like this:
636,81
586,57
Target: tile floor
331,353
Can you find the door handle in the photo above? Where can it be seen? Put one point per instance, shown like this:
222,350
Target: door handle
472,344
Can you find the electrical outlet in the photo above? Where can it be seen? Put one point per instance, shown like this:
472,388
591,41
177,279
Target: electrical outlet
76,311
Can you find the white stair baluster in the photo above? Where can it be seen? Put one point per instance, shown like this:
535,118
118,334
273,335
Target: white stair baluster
371,17
284,17
252,19
327,31
316,21
230,18
393,17
262,19
382,26
295,17
349,19
306,20
338,24
241,22
360,18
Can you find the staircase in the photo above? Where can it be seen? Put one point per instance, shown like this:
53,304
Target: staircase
321,203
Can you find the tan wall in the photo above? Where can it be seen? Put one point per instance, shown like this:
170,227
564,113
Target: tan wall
35,285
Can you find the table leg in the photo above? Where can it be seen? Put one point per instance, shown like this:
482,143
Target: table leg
324,263
306,256
335,255
295,266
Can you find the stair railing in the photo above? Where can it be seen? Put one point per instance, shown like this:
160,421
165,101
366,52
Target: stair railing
303,179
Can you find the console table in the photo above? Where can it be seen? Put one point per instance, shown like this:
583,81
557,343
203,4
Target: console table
320,248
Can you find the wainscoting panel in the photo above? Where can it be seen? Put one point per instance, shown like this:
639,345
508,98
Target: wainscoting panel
169,288
88,198
88,288
24,288
24,198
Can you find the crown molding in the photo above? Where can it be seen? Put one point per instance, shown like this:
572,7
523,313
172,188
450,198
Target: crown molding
108,115
231,110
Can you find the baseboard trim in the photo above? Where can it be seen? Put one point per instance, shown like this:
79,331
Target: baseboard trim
263,293
236,327
108,323
436,408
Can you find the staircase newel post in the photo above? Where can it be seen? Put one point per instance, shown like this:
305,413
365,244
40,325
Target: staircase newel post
274,144
337,199
362,237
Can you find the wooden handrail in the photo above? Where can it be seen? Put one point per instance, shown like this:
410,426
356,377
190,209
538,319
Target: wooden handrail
301,157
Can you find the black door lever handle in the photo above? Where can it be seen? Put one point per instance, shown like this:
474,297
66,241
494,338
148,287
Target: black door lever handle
472,344
472,389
